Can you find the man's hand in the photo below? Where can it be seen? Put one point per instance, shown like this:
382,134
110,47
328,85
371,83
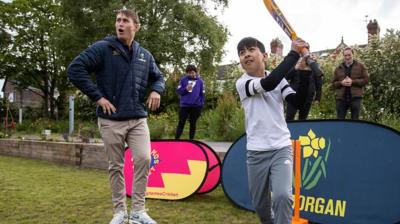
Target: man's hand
107,107
346,82
153,102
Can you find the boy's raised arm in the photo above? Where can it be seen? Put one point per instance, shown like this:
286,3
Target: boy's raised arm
271,81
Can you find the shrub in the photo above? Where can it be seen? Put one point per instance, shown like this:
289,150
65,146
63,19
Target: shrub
389,120
382,58
226,121
84,109
162,125
30,113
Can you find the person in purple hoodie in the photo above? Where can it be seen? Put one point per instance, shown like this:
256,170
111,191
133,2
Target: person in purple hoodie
191,91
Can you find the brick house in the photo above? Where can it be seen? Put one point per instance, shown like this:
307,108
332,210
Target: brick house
373,30
28,97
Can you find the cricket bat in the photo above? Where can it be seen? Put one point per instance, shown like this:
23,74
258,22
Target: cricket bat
278,16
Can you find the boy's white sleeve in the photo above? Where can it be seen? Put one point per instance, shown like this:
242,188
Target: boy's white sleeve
248,87
285,88
240,89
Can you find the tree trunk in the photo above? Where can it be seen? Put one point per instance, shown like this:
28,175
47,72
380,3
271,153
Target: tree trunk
46,95
52,100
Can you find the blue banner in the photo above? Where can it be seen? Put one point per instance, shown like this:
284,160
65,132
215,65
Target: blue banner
350,172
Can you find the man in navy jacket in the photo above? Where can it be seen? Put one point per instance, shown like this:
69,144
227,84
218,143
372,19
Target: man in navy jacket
124,71
191,91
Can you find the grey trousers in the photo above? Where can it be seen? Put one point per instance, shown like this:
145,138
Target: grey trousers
342,106
270,175
135,133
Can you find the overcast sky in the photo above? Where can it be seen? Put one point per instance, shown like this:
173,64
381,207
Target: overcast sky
322,23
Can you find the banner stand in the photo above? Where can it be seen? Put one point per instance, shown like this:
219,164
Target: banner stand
178,169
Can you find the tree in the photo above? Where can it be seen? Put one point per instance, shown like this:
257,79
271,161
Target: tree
40,38
33,55
5,41
176,32
382,58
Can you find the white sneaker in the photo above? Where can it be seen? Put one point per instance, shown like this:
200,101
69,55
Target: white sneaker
119,218
140,218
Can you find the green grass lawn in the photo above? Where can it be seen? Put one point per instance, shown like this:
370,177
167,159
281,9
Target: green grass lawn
34,191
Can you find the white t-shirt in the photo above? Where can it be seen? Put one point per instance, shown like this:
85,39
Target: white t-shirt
266,127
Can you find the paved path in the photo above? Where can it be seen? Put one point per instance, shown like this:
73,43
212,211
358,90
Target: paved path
219,147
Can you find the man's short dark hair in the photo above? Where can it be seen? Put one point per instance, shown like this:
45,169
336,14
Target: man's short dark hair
249,42
190,68
130,13
348,49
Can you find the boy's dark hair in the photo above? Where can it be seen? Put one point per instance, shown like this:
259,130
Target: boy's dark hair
130,13
248,42
191,68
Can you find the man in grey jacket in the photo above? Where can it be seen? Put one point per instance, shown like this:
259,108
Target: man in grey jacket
123,71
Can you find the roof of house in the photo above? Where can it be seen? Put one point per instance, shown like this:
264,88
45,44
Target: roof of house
223,69
335,51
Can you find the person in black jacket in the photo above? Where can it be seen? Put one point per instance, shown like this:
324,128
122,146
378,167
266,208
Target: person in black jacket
306,80
124,71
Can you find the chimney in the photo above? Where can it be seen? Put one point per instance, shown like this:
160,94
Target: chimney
276,47
373,29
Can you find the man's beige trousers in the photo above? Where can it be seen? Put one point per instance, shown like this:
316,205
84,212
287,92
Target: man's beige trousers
135,133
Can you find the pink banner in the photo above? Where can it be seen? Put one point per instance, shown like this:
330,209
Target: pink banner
178,169
214,170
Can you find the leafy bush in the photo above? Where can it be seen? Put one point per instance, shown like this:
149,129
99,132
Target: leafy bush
170,99
226,121
389,120
326,108
162,125
35,126
30,113
382,59
84,109
87,131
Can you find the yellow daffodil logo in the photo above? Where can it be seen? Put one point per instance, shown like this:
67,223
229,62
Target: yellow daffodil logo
315,157
311,144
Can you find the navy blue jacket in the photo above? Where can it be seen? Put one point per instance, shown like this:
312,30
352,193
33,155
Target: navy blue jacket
120,79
